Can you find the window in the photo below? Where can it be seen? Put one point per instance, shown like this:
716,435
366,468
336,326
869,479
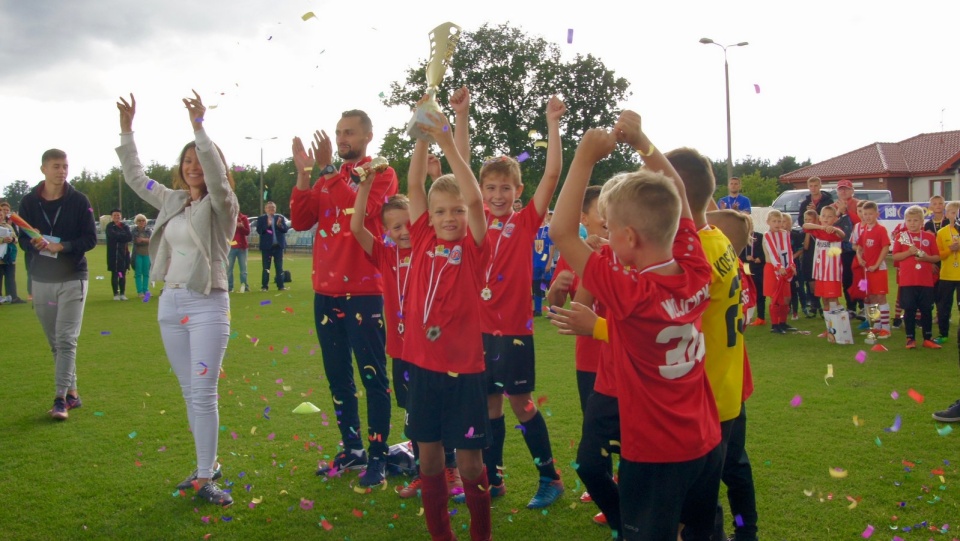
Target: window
941,187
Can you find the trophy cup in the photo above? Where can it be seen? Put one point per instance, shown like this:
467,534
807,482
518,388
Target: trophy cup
873,316
376,165
443,41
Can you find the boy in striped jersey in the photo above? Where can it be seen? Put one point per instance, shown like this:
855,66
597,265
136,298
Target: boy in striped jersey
778,272
827,270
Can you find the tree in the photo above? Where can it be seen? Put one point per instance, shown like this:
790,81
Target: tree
511,76
762,169
13,193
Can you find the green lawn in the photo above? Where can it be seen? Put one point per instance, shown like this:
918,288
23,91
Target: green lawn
109,471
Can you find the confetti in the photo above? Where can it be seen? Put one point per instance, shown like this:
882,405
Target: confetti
897,422
266,413
306,505
524,156
569,35
878,442
522,429
829,374
838,473
797,400
146,297
151,183
868,532
944,430
833,252
894,395
308,15
184,320
517,342
756,87
104,333
862,285
857,421
453,374
326,524
132,434
916,396
469,433
540,144
861,356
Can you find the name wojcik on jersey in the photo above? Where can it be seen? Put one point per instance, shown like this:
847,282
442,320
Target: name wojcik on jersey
683,307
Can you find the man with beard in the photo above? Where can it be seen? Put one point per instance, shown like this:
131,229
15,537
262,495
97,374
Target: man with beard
348,300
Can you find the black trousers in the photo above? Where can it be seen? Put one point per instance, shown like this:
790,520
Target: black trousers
276,254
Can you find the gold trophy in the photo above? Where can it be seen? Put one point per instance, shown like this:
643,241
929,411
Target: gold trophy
443,41
377,165
873,316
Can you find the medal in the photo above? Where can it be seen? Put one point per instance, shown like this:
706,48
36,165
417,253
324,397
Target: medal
918,266
486,294
400,327
433,333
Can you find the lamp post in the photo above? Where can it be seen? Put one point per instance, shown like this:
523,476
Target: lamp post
726,75
261,141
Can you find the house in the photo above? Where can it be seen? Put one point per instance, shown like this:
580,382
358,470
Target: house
913,169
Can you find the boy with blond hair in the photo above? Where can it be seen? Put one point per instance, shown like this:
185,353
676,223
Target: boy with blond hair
948,245
506,312
873,245
827,271
778,272
915,251
442,339
938,218
670,455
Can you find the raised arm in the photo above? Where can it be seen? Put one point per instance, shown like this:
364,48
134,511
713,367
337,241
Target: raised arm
222,199
133,174
460,102
363,236
554,166
628,130
595,145
469,187
415,181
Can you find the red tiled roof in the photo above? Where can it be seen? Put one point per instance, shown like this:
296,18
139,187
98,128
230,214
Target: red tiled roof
924,154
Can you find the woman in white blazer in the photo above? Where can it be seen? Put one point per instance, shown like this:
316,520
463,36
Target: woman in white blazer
189,250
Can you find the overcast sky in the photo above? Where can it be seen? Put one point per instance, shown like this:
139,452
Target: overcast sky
833,76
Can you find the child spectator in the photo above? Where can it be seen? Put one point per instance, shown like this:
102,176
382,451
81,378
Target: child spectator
873,245
778,272
543,260
915,250
8,257
948,245
938,219
141,254
756,260
798,299
806,262
442,338
670,457
826,263
506,314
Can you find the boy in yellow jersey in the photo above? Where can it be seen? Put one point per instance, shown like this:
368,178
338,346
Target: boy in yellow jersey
948,244
722,322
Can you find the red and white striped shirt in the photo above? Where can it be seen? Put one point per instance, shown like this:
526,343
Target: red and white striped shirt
826,267
776,246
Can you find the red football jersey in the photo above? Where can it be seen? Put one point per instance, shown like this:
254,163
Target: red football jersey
909,274
827,267
394,265
508,275
442,310
667,410
340,266
587,352
872,240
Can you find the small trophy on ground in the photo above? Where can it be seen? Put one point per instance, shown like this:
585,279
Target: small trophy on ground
443,42
873,316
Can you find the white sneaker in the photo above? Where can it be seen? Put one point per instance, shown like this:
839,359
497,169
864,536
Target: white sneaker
124,298
5,300
116,297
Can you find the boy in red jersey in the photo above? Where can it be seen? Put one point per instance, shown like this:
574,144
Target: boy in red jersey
348,291
778,272
442,335
670,456
873,245
915,249
827,271
506,314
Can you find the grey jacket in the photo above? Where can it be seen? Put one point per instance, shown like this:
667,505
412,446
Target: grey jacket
213,219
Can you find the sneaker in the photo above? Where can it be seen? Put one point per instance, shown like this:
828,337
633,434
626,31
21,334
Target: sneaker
245,289
794,317
498,490
263,289
931,344
941,340
18,300
116,297
5,300
412,489
585,497
549,491
911,343
375,474
949,415
73,402
756,323
189,481
59,411
809,314
778,329
600,519
454,483
882,334
214,494
124,298
347,460
897,323
281,288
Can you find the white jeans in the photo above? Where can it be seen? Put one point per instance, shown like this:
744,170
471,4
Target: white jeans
195,329
59,307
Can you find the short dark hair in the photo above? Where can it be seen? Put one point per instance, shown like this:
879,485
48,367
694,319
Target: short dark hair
589,196
116,210
696,172
364,118
53,154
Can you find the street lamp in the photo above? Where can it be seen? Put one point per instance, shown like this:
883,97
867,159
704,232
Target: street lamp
261,141
726,74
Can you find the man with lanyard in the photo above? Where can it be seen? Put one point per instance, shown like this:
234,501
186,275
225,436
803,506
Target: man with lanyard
847,219
58,268
348,300
734,200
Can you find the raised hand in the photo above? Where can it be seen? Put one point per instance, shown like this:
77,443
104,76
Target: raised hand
555,109
322,148
439,129
127,111
302,158
460,101
196,109
596,144
627,129
433,167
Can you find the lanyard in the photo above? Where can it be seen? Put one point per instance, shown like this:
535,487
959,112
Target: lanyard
401,293
55,217
496,249
431,287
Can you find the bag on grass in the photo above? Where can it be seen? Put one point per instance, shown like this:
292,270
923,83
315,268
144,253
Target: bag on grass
838,326
286,277
400,459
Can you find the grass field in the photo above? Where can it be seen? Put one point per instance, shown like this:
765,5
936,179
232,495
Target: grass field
109,471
